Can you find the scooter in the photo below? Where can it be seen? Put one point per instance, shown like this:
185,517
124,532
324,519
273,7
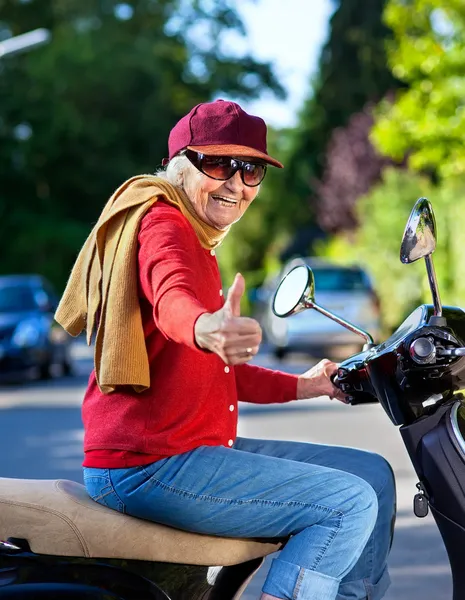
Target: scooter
416,375
58,543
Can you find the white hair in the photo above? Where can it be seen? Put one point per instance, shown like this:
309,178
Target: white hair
174,170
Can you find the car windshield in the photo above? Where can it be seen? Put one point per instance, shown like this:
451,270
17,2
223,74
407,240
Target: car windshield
339,280
16,298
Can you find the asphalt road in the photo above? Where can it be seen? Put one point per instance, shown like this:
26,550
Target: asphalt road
41,437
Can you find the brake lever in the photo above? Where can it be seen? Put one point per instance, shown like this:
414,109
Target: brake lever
335,381
450,352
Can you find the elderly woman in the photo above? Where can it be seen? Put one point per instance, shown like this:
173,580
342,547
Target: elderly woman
172,361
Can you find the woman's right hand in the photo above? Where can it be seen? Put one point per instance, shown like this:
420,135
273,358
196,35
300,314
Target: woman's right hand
234,338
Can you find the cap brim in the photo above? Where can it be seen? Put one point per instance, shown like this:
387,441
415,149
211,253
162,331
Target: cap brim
236,150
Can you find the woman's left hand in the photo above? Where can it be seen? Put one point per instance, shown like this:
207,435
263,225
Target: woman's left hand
316,382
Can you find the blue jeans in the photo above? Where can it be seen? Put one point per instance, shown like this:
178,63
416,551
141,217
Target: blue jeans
337,504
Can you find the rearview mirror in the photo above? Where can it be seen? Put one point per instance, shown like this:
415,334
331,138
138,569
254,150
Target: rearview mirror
419,240
295,292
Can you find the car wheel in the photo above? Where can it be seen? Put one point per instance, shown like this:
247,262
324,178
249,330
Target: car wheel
280,352
66,368
45,370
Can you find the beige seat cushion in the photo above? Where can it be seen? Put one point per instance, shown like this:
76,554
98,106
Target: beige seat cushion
59,518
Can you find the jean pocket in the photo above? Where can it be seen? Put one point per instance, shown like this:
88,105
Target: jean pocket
101,490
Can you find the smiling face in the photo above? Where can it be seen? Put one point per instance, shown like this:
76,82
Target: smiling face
218,203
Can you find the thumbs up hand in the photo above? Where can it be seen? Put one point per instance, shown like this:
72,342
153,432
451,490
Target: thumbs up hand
234,338
232,306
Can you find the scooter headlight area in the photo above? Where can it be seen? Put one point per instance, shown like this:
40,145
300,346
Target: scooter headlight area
414,371
417,376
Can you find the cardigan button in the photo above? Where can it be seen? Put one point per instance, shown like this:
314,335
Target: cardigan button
231,407
230,443
221,292
226,369
212,252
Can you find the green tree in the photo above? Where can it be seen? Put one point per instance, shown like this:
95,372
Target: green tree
95,106
425,124
383,214
427,119
353,166
352,72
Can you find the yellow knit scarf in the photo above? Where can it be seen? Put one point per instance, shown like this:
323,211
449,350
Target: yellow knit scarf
102,291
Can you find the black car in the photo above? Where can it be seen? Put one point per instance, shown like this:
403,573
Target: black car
30,340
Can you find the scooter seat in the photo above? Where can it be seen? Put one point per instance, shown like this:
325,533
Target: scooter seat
59,518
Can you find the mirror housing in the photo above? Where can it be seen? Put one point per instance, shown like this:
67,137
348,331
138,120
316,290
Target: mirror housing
296,293
419,239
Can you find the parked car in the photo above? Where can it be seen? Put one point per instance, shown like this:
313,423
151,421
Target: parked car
344,290
30,340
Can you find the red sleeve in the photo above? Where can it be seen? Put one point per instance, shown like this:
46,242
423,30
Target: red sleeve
264,386
167,273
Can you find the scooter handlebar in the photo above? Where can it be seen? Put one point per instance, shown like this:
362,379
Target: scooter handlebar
353,396
335,381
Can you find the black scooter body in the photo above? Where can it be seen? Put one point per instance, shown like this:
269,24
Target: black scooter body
440,466
424,400
25,575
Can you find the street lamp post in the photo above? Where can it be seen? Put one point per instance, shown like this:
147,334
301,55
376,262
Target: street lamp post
24,42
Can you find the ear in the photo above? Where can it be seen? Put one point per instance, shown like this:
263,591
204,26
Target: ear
185,170
180,176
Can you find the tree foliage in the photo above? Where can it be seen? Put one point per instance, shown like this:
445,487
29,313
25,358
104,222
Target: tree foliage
383,214
353,166
427,120
425,123
352,72
95,106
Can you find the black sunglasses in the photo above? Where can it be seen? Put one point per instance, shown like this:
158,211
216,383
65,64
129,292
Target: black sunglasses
222,168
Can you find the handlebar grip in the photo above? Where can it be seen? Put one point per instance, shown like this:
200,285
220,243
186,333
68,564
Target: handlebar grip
352,397
335,381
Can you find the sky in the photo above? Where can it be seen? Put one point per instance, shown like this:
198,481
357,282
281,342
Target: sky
290,34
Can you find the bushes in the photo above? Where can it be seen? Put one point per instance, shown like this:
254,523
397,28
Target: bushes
382,214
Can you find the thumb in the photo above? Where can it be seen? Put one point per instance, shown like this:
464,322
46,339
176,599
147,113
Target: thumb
235,293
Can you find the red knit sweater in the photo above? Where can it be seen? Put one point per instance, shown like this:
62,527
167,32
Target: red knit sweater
192,400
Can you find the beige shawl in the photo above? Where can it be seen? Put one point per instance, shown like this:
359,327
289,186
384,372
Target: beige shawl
102,291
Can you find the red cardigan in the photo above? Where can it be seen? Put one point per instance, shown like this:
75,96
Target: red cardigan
192,400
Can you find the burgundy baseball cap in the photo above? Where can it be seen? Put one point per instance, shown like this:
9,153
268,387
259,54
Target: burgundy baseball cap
221,128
